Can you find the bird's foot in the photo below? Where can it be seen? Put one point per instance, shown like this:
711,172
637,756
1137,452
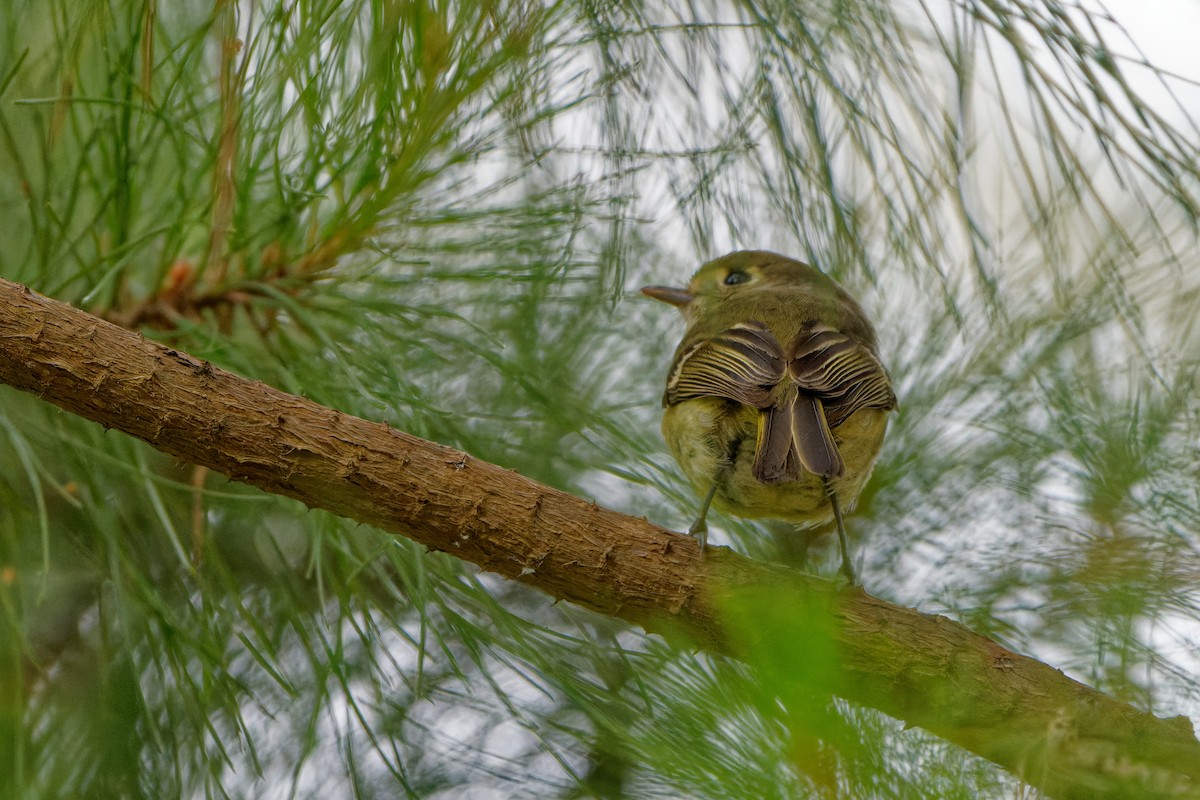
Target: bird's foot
846,574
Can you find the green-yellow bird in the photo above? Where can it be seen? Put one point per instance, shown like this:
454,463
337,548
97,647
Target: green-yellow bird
776,402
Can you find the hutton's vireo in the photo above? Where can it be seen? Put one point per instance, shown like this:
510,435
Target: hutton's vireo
776,402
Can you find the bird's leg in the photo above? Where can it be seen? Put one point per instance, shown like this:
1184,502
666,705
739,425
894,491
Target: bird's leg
699,528
847,567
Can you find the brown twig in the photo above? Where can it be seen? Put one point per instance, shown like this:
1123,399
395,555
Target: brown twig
224,180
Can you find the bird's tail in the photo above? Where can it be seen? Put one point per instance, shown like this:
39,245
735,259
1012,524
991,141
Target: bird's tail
793,433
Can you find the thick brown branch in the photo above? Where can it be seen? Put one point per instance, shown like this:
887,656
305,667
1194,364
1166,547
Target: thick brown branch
1054,732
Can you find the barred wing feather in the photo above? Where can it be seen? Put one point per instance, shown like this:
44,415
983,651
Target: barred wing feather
743,364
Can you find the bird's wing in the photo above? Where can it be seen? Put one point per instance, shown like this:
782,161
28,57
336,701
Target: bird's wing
844,374
742,363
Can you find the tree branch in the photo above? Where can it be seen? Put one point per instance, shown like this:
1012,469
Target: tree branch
1053,732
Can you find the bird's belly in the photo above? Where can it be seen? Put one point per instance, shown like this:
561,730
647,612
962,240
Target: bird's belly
714,441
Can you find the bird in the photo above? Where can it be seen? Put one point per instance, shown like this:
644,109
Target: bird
776,402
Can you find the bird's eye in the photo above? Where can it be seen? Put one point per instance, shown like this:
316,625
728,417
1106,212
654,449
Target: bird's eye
737,276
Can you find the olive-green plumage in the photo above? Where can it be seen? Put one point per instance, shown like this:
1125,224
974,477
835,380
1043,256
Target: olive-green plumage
776,401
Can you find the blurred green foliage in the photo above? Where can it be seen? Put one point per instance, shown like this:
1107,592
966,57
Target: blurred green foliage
433,213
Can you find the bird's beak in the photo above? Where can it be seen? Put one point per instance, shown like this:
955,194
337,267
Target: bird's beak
669,294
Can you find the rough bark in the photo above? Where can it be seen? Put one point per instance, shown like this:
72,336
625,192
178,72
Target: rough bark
1054,732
